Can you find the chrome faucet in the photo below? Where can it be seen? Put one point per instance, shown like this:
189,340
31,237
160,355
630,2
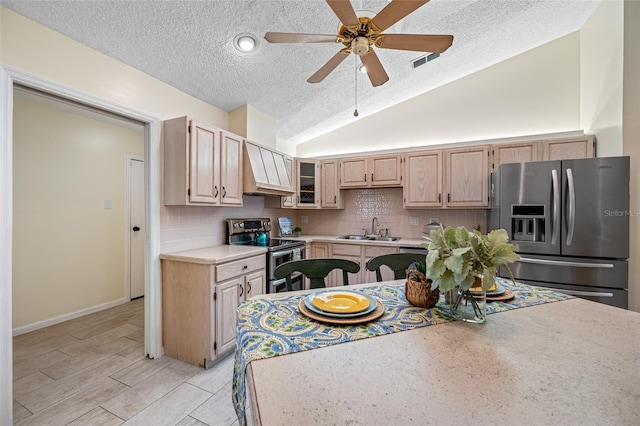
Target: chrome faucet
373,226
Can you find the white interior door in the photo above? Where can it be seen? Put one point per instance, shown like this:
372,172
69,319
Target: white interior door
137,230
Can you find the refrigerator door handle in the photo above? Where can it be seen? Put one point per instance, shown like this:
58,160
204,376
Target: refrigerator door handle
565,263
571,214
555,223
579,293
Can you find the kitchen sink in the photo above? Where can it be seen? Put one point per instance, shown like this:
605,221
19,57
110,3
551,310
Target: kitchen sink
366,238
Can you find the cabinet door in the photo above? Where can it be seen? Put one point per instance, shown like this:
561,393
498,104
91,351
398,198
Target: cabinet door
513,153
254,284
467,176
423,179
227,299
231,169
386,170
353,172
569,148
351,252
204,155
308,191
371,252
288,201
330,193
319,251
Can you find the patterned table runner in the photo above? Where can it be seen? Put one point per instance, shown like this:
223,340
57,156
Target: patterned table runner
273,327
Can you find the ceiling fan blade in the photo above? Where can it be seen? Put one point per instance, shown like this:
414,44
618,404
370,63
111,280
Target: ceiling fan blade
326,69
395,11
417,42
375,70
344,11
299,38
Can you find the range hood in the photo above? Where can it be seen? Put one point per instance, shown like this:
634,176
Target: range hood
266,172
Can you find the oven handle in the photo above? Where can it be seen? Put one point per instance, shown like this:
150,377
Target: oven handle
279,254
565,263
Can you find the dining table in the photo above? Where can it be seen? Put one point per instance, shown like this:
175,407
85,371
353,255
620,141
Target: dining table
540,358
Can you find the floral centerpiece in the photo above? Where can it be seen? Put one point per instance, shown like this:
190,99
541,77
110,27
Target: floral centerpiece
459,258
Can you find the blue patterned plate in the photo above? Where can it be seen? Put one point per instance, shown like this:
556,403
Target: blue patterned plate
308,302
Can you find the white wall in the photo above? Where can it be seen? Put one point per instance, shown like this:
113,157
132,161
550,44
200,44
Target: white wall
601,85
68,251
536,92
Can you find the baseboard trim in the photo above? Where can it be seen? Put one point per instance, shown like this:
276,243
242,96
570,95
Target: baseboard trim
66,317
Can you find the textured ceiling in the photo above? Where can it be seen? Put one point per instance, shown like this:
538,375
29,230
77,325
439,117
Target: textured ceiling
188,44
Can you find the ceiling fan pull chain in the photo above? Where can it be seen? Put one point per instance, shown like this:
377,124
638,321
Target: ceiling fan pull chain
355,113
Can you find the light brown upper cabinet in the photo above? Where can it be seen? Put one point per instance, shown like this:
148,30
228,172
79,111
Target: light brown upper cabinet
202,164
265,171
371,171
288,201
331,196
515,153
308,183
467,176
423,179
569,148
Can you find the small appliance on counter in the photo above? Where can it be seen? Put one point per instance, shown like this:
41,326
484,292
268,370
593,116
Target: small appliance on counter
570,221
257,232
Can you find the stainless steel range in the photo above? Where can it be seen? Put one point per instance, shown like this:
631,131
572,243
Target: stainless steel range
257,232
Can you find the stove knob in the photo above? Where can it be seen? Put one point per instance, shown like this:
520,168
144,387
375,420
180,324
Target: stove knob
241,225
235,225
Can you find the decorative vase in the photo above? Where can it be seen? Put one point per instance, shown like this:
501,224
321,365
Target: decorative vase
418,291
471,307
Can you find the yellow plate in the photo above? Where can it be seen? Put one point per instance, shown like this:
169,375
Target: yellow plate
478,289
340,302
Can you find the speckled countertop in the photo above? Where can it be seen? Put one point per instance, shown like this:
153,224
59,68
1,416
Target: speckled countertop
402,242
213,255
562,363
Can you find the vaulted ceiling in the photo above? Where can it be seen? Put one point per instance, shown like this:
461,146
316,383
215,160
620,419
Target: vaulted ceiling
189,45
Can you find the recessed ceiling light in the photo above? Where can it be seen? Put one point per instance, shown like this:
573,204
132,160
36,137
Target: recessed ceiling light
245,43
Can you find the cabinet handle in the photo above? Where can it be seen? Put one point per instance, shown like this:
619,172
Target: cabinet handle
448,198
241,290
365,177
248,287
217,192
244,267
371,177
335,199
224,192
439,197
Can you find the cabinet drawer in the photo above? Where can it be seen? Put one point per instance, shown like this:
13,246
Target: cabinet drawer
345,249
373,251
239,267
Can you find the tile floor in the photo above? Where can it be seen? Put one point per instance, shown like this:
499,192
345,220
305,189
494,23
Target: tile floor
92,371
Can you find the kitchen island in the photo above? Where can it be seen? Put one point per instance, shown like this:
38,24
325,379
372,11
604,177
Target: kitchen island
567,362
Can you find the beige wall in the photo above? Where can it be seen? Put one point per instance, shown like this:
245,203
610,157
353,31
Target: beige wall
601,63
536,92
68,251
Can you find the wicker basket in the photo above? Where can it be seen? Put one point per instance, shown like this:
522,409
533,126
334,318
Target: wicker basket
418,291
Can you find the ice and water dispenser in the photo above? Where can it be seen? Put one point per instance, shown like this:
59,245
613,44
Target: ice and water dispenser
527,222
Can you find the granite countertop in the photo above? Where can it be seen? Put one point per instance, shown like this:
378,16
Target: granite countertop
567,362
402,242
214,255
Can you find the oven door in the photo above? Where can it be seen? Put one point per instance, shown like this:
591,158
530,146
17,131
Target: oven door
277,258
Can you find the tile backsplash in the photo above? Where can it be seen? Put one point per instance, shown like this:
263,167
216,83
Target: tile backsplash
362,205
188,227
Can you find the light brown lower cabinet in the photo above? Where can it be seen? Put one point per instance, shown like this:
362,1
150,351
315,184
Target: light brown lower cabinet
199,304
359,253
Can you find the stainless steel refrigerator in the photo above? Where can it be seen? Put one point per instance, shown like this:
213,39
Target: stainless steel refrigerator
570,221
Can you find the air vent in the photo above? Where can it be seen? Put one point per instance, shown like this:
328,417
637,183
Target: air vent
424,59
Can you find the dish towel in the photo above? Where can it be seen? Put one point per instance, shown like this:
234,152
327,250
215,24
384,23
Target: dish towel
296,253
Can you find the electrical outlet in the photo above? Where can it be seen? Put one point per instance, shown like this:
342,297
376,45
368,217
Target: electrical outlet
413,220
304,219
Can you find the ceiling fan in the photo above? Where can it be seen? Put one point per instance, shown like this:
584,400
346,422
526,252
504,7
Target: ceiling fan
360,34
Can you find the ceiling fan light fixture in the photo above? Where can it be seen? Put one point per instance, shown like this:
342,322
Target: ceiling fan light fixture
245,43
362,68
360,45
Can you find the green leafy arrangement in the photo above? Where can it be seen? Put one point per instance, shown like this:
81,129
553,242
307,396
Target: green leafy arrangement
457,256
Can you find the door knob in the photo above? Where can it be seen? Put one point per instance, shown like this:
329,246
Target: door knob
136,228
